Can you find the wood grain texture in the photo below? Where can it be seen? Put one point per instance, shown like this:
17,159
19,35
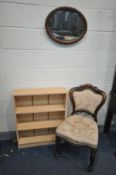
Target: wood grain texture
37,139
38,125
39,91
57,99
39,109
23,101
24,118
35,123
36,144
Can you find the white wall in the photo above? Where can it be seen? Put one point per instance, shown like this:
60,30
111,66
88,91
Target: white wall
28,58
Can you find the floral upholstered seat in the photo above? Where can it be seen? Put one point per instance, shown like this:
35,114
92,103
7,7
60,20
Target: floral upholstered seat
79,130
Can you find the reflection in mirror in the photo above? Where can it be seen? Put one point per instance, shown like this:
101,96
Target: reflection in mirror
66,25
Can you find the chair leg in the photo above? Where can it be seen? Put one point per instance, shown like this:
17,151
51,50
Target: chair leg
58,147
92,160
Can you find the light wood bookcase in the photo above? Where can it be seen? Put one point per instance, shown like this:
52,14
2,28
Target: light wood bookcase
38,113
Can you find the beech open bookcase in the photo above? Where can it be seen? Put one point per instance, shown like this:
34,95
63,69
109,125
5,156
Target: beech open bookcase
38,113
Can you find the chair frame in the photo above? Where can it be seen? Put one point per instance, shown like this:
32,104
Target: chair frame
94,115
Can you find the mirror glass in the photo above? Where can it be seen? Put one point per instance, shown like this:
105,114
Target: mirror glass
66,25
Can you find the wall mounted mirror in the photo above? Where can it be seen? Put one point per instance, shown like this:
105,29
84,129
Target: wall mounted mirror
66,25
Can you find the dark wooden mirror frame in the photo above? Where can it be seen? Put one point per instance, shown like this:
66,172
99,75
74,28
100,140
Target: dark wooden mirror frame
61,41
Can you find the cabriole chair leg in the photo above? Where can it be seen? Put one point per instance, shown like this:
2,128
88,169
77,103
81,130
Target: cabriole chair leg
58,147
92,160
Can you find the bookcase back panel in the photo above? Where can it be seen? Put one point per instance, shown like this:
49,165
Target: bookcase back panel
41,116
24,118
56,115
40,100
23,101
57,99
38,132
27,133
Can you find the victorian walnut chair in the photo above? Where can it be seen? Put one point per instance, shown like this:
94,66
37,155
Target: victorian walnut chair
81,127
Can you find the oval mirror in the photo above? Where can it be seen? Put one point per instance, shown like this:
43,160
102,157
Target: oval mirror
66,25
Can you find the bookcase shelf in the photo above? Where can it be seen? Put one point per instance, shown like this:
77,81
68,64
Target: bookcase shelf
39,109
38,113
38,125
35,139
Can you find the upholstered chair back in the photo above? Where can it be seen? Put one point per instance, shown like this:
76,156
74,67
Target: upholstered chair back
87,98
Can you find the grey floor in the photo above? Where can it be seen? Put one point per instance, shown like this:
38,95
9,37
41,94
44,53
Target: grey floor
41,161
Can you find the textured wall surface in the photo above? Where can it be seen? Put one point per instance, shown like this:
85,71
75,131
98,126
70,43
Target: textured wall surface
28,58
